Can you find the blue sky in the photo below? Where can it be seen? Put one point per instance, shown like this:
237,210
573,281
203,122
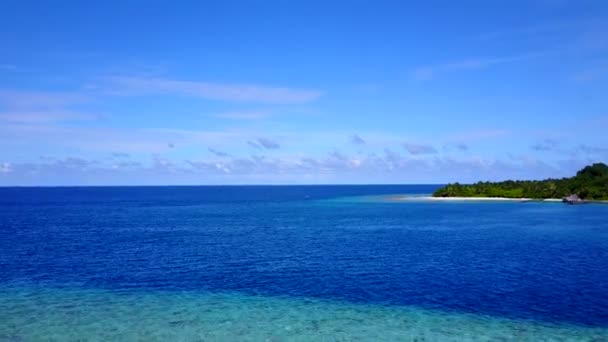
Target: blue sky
300,92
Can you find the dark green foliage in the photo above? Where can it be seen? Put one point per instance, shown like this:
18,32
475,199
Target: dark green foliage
589,183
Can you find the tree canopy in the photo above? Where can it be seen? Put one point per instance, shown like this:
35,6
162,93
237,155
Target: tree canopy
591,182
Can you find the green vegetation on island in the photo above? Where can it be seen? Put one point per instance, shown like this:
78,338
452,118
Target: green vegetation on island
590,183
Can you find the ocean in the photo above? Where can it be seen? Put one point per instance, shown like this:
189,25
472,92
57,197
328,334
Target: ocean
297,263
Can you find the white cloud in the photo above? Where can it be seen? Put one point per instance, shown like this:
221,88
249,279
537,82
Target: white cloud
163,165
5,167
29,100
264,143
26,107
36,137
429,72
121,85
127,165
335,167
416,149
46,116
120,155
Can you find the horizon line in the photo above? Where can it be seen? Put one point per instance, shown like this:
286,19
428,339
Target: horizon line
215,185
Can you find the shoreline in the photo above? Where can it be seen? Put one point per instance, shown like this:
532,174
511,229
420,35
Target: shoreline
441,199
426,198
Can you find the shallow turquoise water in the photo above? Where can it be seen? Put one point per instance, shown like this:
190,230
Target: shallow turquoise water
77,314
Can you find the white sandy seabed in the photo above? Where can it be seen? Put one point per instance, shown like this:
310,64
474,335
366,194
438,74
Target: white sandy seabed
99,315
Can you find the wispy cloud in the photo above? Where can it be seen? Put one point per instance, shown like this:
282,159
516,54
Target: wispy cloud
34,136
5,167
46,116
481,134
218,153
52,166
121,85
39,99
460,146
416,149
120,155
42,107
357,140
545,145
244,115
595,150
432,71
127,165
264,143
163,165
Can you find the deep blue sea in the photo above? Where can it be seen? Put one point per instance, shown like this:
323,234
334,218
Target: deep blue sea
297,263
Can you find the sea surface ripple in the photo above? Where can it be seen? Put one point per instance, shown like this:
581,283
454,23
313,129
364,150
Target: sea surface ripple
541,263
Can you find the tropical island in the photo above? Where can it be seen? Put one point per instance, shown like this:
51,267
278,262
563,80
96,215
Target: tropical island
590,183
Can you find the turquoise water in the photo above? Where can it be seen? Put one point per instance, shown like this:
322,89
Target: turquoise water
69,314
327,263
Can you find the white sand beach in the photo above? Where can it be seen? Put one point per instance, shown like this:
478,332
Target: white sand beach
439,199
